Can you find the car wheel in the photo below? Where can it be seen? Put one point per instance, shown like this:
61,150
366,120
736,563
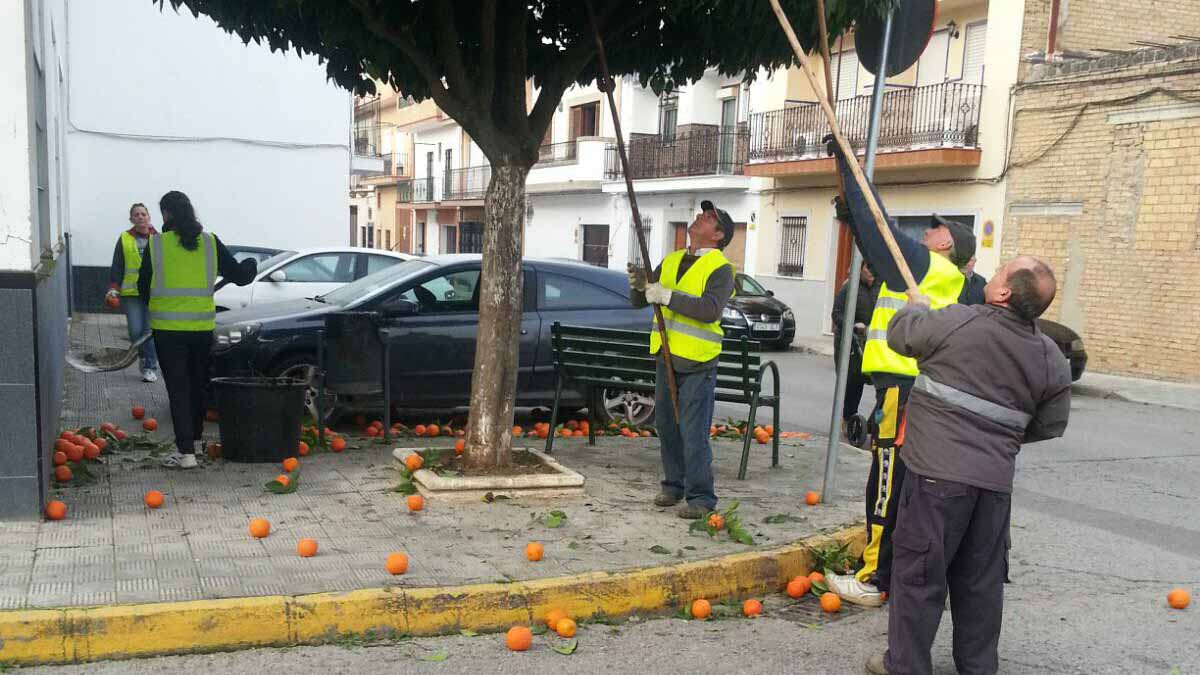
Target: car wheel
634,407
302,367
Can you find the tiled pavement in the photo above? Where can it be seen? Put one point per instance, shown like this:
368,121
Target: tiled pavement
112,549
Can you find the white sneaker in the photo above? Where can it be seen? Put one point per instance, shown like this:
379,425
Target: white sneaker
149,376
178,460
850,589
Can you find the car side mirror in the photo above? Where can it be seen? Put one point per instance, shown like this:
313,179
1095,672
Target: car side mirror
400,308
278,275
770,294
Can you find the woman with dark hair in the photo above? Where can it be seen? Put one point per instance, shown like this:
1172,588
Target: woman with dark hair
176,282
122,284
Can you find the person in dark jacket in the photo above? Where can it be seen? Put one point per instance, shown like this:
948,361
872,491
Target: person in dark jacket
973,284
966,424
176,282
855,380
122,285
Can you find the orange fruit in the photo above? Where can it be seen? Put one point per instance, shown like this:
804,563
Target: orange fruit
214,450
419,430
1179,598
138,412
716,521
63,444
67,435
90,450
433,430
553,617
372,432
75,454
101,443
799,587
459,433
283,480
519,638
762,437
831,603
62,474
712,431
645,433
565,628
306,548
60,458
815,577
150,424
769,429
534,551
153,499
517,431
701,609
108,427
459,446
302,450
752,608
121,435
415,502
291,464
259,528
396,563
338,444
56,510
812,498
447,431
413,462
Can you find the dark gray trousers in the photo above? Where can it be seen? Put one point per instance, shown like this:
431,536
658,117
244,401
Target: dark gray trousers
949,536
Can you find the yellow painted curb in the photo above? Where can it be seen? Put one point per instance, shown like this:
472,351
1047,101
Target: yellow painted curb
76,635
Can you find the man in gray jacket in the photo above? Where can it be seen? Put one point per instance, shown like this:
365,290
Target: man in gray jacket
990,381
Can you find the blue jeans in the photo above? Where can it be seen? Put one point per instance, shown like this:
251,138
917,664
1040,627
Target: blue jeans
137,319
686,452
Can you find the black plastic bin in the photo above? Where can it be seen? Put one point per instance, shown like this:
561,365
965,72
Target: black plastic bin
259,417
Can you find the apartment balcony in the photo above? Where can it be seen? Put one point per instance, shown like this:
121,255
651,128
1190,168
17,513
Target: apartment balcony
698,158
466,186
418,190
570,167
933,126
367,158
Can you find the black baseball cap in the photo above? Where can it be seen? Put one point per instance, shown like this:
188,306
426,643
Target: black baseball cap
963,237
723,220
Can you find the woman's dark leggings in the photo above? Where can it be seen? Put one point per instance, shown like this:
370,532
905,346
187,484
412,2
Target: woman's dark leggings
183,357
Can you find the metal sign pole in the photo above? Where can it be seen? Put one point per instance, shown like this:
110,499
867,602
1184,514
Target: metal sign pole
843,363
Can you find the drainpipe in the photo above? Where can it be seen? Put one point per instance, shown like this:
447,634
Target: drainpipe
1052,38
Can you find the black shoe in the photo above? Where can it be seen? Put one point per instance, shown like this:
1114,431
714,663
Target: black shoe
691,511
665,498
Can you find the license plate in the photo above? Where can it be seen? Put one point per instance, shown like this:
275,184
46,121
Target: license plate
766,326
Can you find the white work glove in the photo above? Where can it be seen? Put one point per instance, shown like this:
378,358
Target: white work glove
112,294
637,277
657,294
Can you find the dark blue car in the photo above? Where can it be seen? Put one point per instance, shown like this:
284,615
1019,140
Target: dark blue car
433,305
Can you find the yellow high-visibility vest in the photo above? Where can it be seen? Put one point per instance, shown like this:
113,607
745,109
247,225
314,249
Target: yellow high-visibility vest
942,283
689,338
133,264
181,297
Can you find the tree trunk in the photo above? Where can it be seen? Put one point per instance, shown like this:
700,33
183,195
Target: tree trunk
494,382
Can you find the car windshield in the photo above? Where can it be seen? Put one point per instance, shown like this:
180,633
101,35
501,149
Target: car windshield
357,290
748,286
275,259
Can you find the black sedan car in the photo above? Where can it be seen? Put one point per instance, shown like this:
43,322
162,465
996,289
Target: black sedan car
431,305
754,312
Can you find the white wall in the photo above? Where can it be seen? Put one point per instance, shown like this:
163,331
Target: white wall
16,217
162,101
555,230
698,102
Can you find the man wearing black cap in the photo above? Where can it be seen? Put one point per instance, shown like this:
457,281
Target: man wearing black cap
692,286
935,264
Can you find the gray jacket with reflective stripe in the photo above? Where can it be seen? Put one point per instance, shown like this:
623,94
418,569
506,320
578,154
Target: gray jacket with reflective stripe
989,382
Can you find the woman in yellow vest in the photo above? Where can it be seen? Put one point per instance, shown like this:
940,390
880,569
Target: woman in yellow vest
176,281
692,285
122,285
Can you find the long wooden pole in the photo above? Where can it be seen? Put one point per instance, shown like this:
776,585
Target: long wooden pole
608,86
847,151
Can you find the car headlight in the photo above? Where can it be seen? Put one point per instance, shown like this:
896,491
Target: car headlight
228,336
732,314
787,314
1077,345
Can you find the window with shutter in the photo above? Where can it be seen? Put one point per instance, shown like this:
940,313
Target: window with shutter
973,51
931,68
845,69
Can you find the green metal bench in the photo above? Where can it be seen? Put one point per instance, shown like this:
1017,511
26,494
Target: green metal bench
604,358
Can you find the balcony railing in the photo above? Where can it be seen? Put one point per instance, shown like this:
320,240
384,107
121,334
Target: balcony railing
414,190
558,152
942,115
366,139
697,152
467,183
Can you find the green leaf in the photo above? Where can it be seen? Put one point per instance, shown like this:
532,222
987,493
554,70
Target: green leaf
699,525
467,632
278,488
819,588
782,518
539,629
554,519
405,487
573,545
689,548
741,537
660,550
436,656
567,649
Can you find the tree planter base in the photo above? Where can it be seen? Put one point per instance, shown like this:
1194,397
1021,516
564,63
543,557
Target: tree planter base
563,482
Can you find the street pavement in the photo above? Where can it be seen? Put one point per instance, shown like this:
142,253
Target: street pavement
1103,527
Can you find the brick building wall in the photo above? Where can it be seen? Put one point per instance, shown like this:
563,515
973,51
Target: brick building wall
1088,25
1105,184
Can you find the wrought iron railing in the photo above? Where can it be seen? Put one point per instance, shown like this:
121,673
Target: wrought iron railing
942,115
558,152
366,139
404,190
695,152
410,190
467,183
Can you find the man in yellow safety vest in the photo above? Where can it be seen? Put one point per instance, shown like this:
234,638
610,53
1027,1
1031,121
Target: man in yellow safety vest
935,264
692,286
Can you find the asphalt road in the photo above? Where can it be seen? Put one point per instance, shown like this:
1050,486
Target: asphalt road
1103,526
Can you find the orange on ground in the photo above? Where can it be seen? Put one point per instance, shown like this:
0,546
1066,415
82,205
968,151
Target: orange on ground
516,431
712,431
812,498
1179,598
214,450
415,502
645,433
572,425
283,480
259,528
67,435
519,638
769,429
566,628
762,437
534,551
397,563
830,602
153,499
302,450
150,424
553,617
121,435
62,474
459,446
138,412
63,444
701,609
716,521
799,587
91,450
752,608
306,548
433,430
60,458
290,464
75,454
101,443
338,444
816,577
413,462
56,510
372,432
419,430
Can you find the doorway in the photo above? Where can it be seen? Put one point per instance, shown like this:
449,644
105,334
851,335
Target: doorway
595,245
